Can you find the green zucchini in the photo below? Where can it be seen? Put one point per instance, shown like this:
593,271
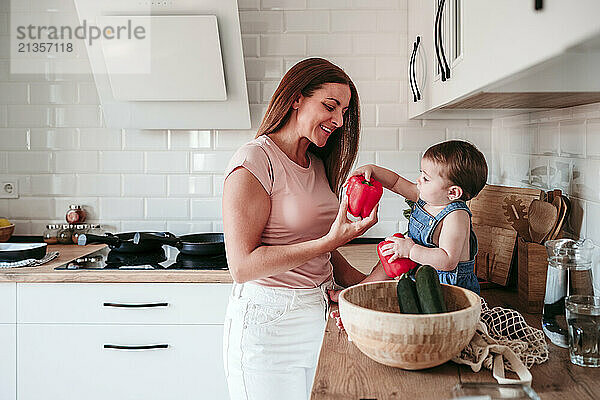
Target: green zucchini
429,290
407,295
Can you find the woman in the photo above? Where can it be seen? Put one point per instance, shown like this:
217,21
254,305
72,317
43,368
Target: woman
283,223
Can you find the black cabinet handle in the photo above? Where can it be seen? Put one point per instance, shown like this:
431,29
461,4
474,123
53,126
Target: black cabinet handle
436,39
146,347
539,4
410,73
445,68
414,68
146,305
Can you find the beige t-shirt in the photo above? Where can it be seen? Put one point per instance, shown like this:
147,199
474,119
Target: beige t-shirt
303,207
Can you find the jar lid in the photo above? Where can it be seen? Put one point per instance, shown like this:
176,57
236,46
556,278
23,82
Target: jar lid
53,226
66,226
95,226
74,207
82,226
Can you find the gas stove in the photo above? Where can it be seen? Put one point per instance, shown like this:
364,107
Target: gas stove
165,258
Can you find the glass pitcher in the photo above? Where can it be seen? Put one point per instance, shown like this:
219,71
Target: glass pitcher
569,272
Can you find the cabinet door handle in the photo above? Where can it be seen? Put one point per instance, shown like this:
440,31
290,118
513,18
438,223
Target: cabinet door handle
441,39
145,347
143,305
436,40
410,73
414,68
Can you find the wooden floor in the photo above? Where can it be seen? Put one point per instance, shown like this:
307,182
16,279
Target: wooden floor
344,372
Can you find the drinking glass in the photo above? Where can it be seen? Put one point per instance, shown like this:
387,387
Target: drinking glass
583,320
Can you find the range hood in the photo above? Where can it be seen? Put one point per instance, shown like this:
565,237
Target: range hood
186,73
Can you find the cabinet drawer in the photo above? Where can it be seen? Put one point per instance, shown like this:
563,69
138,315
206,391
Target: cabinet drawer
8,354
136,303
8,303
71,362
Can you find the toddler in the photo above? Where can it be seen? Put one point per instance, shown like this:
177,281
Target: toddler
439,229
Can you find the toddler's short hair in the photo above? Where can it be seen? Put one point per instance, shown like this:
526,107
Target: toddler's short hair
463,165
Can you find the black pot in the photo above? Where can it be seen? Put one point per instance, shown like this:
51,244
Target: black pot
10,252
198,244
123,242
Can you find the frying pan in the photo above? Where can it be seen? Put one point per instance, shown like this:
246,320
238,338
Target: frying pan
197,244
22,251
123,242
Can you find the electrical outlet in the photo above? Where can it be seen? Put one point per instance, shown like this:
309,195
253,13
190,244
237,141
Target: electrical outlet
9,189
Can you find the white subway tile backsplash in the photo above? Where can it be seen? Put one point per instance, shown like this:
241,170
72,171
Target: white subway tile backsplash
592,138
184,228
261,21
144,185
379,43
514,169
392,208
14,139
13,93
207,209
31,161
538,171
88,94
29,116
401,163
382,229
351,21
253,92
586,111
121,208
54,93
572,138
391,68
54,138
326,45
207,162
257,111
560,173
592,212
263,68
3,162
248,4
306,21
363,158
392,21
329,4
356,67
548,138
283,4
3,116
148,226
189,139
144,139
190,185
576,219
480,137
251,45
78,116
167,208
268,88
76,161
178,161
420,139
121,161
218,182
57,185
100,138
376,4
283,45
368,115
99,184
31,207
3,23
232,140
391,114
379,139
377,92
521,139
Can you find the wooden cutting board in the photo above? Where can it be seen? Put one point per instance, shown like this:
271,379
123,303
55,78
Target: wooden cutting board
495,234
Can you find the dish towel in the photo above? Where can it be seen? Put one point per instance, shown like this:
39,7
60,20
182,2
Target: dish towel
30,262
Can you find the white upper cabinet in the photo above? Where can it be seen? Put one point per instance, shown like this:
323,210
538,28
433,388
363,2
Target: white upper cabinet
504,54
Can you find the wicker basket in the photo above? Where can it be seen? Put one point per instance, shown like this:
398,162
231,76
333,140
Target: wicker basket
6,232
372,318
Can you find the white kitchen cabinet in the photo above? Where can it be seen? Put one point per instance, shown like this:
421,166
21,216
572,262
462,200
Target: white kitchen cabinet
75,341
8,302
8,353
501,43
71,362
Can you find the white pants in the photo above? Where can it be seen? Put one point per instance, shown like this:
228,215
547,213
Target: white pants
272,338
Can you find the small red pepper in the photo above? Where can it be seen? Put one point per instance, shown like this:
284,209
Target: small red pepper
363,195
398,266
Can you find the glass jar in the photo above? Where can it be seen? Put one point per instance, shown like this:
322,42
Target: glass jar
65,234
78,230
75,214
51,233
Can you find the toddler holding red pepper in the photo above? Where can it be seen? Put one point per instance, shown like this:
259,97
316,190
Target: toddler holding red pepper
439,229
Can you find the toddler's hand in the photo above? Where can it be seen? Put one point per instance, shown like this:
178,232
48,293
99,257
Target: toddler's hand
335,314
399,248
366,170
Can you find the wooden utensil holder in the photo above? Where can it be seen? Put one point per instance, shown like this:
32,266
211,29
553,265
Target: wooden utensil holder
531,279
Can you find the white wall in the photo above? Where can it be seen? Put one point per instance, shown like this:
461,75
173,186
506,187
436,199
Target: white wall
52,137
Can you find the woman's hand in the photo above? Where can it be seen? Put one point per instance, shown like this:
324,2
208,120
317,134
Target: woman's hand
343,230
399,248
335,314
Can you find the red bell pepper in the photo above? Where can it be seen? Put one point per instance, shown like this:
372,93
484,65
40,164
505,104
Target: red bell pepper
363,195
398,266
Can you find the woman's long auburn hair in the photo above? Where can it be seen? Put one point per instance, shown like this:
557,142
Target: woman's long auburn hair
305,78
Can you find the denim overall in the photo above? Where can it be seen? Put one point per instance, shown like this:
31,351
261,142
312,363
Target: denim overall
421,226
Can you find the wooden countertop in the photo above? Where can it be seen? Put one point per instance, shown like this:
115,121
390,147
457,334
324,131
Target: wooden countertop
47,274
343,372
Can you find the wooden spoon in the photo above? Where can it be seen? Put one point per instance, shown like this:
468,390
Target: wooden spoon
542,218
561,204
